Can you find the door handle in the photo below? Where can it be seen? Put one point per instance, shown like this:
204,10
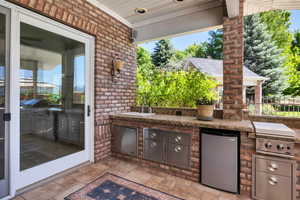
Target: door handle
6,117
88,110
1,139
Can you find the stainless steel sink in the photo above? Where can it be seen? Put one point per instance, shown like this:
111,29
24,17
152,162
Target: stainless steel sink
139,114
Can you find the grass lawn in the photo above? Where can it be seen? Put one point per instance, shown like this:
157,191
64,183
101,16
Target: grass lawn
287,114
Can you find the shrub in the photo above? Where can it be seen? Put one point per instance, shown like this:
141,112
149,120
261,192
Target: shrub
174,88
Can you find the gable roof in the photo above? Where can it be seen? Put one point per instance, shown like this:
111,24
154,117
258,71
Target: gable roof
214,68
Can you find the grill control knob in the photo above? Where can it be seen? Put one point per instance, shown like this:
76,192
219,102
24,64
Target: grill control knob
268,145
280,147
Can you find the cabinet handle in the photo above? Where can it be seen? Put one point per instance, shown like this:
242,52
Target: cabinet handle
153,144
273,181
178,149
153,135
178,139
273,167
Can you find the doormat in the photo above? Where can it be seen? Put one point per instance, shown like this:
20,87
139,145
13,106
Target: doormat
113,187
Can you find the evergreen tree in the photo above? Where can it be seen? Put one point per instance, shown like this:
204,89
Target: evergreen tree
262,56
162,54
214,46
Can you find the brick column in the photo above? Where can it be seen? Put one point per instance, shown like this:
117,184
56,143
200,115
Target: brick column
233,66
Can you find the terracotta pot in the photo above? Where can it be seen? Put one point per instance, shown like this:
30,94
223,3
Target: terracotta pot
205,112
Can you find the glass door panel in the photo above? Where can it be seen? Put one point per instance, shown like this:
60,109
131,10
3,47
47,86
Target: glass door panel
52,96
4,17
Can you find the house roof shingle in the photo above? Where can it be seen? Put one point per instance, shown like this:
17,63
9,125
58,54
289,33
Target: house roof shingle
214,68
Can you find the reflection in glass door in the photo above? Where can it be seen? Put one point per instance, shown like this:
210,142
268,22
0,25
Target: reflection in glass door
4,34
52,96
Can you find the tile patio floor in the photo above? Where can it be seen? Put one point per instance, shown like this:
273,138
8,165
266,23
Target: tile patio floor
61,187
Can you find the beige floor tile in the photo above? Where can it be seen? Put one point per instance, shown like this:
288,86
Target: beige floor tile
18,198
61,187
209,196
67,192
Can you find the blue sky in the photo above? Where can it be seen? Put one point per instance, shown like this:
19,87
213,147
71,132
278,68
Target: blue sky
182,42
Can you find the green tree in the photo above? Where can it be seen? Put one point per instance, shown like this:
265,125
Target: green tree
146,73
278,23
293,67
143,57
162,54
295,47
262,56
214,46
196,50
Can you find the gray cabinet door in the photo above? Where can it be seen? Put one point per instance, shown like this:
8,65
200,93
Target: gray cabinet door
125,140
154,150
178,155
273,187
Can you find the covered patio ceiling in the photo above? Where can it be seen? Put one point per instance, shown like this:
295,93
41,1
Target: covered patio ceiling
165,18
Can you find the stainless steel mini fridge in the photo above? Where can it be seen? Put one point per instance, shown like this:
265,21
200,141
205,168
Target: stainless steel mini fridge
220,159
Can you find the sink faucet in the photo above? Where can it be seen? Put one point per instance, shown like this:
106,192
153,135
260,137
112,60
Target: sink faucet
143,106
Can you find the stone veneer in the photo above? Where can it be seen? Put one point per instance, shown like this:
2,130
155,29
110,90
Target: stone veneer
233,66
247,148
113,40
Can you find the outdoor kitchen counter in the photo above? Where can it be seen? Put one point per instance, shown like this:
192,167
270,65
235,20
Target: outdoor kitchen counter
187,121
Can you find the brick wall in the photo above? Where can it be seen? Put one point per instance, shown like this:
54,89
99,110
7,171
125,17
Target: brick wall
233,66
112,40
247,149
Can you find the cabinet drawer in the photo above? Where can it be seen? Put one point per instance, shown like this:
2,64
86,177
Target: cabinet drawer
179,138
154,150
274,167
273,187
178,155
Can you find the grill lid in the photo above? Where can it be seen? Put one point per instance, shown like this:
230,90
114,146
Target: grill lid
273,129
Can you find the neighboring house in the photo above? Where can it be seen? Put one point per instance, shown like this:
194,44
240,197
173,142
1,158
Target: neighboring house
214,68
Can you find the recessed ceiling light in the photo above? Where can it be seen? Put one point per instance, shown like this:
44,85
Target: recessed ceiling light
178,1
141,10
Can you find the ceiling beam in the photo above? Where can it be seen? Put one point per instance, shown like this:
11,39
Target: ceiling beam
187,11
180,25
233,8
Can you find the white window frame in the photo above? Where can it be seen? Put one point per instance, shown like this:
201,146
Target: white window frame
20,179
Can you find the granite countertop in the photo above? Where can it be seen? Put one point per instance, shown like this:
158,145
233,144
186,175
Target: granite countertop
187,121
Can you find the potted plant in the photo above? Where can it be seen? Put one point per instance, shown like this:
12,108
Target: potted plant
205,108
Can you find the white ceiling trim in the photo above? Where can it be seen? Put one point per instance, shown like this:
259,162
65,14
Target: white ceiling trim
186,11
257,6
233,8
110,12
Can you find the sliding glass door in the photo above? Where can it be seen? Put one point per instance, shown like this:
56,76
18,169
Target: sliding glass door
54,98
4,89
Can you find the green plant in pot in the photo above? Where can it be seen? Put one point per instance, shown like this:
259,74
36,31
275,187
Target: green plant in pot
205,108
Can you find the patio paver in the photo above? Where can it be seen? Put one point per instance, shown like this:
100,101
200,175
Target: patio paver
67,184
